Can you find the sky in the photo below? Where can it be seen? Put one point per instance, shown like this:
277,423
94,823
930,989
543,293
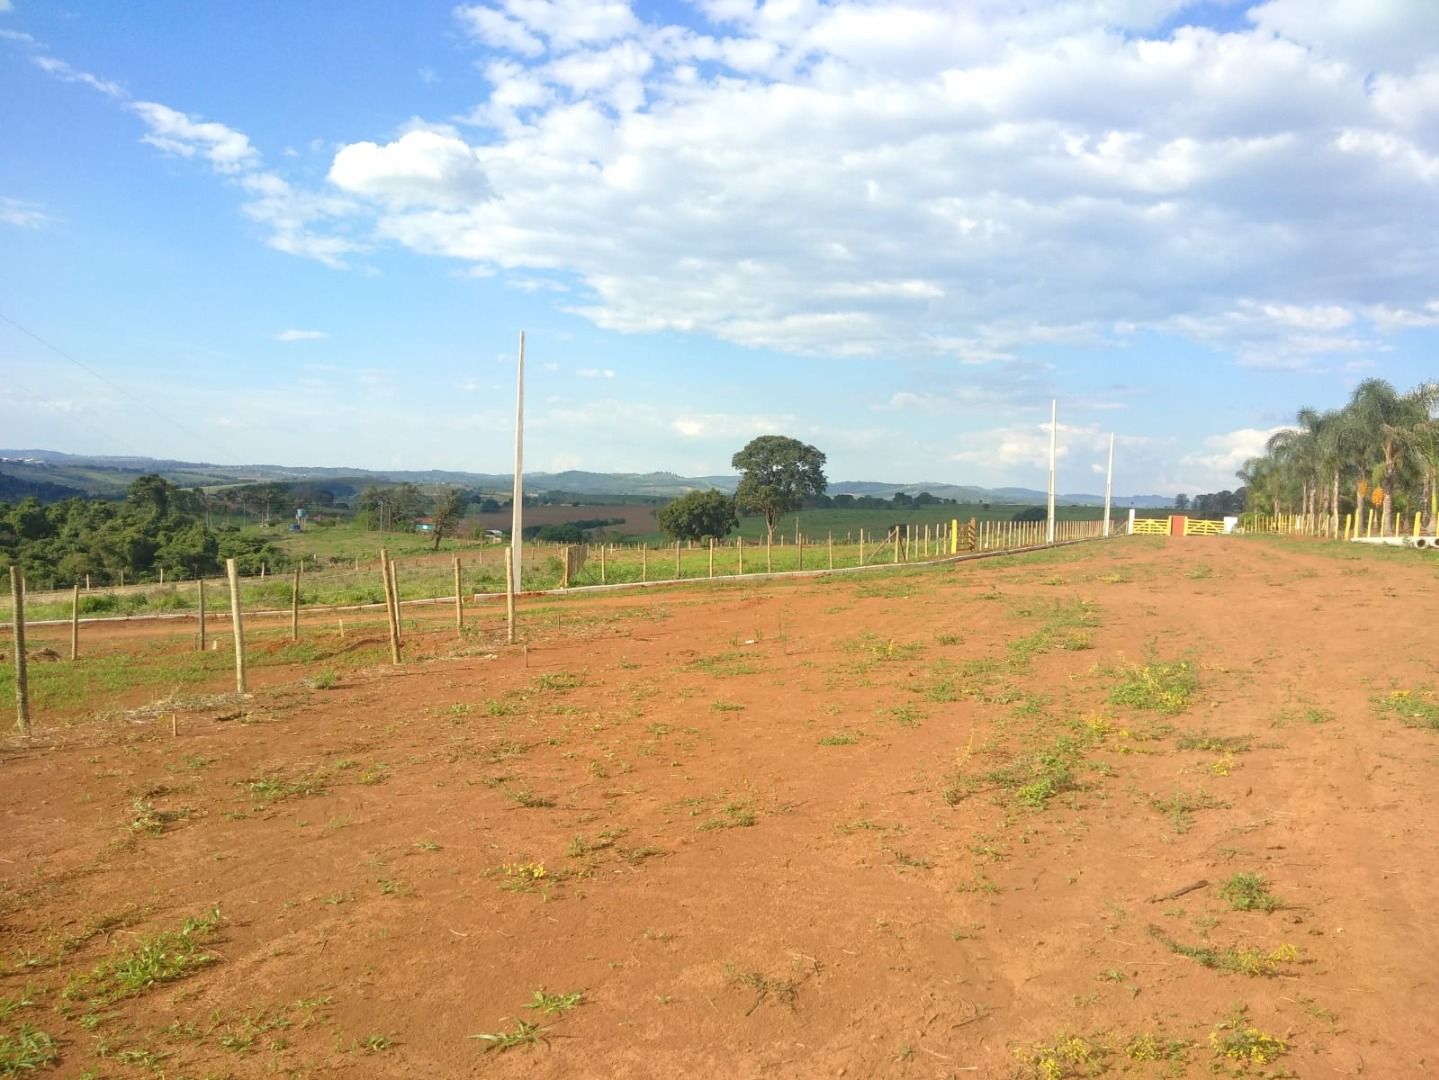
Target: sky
310,234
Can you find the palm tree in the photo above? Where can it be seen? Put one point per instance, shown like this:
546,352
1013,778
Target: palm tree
1389,421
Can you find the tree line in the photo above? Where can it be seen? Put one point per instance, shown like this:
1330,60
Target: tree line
157,526
1380,450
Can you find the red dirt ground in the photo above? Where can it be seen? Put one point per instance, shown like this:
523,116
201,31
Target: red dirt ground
734,896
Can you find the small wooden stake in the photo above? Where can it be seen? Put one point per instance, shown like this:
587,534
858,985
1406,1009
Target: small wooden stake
22,682
75,624
237,624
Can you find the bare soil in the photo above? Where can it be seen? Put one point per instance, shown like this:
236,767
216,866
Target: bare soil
786,829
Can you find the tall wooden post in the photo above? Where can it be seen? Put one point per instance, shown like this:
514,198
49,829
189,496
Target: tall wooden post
831,550
644,562
896,544
22,675
459,598
237,624
603,572
739,550
861,547
799,545
517,505
712,556
75,624
200,615
1053,446
768,553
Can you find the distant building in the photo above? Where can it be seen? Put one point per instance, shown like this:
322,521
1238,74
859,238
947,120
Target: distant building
424,525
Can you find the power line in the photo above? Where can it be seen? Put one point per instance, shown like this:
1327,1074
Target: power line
204,439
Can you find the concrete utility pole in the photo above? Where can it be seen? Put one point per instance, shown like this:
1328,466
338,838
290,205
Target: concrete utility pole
1053,442
1109,484
517,505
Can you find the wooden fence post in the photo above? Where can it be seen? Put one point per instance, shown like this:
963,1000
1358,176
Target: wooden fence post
509,597
712,556
739,549
395,592
799,544
200,616
896,544
679,573
22,675
769,552
861,547
75,624
831,550
295,607
645,561
237,624
459,598
603,575
391,625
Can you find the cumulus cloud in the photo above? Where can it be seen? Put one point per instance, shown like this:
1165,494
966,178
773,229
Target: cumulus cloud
919,179
1224,453
421,168
842,179
301,335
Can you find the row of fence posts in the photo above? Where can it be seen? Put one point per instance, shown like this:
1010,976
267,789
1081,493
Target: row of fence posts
1368,524
905,543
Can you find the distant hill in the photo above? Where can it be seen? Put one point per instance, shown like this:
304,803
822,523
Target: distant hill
51,475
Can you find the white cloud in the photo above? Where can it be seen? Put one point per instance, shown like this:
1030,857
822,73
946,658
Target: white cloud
1223,454
929,179
518,25
1374,34
301,335
23,214
227,150
66,73
1387,318
421,168
595,373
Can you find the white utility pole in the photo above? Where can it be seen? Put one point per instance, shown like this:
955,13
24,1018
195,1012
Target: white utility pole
1109,484
1053,441
517,505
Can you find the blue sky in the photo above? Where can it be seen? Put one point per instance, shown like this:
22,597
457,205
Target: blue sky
310,233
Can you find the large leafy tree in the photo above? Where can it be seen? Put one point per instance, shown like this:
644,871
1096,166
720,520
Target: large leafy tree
449,508
776,474
698,515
